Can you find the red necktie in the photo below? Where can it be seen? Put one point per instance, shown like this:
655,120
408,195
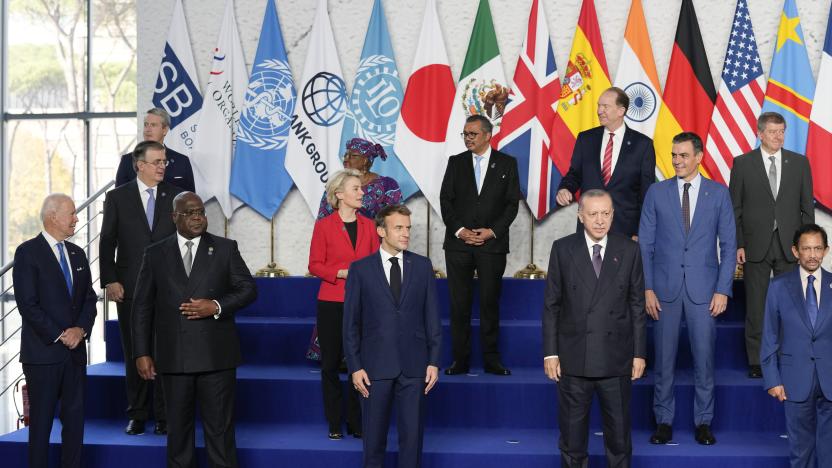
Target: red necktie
606,166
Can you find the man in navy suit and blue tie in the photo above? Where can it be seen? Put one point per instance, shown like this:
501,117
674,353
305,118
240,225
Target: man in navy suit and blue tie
682,221
392,336
796,349
54,294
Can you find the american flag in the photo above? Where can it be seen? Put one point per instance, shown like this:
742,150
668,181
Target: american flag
733,129
527,124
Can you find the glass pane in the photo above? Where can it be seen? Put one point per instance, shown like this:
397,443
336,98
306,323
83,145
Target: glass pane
47,47
45,156
113,56
110,138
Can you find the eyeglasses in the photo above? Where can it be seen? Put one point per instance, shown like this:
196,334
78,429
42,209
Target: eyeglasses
199,213
157,163
465,135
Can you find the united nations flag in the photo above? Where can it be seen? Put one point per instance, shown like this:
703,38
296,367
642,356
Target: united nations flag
258,175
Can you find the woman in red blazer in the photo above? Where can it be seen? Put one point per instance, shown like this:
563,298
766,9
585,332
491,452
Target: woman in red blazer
338,240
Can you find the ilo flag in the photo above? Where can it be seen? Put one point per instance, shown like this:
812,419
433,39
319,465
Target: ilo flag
790,84
177,87
420,130
482,86
314,152
689,92
585,79
258,174
637,74
526,131
376,101
213,147
820,125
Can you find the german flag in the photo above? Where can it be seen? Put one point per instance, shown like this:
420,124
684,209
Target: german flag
689,92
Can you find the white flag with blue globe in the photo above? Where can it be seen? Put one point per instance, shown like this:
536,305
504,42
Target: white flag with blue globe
376,101
313,152
258,174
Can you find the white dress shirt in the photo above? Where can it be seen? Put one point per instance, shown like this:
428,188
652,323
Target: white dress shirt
778,164
590,242
804,280
143,192
617,141
693,193
183,249
385,262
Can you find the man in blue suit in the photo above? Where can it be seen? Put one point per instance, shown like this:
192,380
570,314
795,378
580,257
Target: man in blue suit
54,294
391,338
682,220
796,349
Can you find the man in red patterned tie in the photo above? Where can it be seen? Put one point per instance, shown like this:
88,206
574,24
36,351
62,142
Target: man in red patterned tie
614,158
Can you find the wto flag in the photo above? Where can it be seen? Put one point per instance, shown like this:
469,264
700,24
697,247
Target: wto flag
258,175
313,152
526,130
177,89
377,100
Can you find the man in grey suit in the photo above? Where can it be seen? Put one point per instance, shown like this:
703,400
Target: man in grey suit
594,338
771,189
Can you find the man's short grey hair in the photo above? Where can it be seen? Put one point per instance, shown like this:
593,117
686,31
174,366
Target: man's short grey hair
51,204
158,111
592,193
336,184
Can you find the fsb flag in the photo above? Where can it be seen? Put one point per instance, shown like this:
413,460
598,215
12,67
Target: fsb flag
258,174
313,152
376,101
177,87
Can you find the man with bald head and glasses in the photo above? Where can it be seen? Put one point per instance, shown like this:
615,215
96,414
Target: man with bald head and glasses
136,215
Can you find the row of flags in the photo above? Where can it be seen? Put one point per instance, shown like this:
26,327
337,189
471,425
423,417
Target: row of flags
251,137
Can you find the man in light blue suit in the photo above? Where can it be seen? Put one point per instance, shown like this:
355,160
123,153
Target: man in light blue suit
392,335
682,221
796,349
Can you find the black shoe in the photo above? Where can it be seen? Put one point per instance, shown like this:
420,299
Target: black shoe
663,434
456,369
496,369
704,435
161,428
134,427
356,434
335,436
755,372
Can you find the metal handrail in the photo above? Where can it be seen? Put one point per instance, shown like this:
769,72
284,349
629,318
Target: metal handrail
8,266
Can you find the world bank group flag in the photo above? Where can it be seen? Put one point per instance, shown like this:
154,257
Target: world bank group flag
376,101
177,89
258,174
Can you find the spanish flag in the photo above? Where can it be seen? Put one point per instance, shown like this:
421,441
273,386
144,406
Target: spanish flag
689,92
586,77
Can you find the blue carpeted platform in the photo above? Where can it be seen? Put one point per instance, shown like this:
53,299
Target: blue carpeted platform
477,420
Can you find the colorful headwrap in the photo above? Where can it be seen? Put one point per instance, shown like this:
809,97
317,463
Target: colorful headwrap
367,149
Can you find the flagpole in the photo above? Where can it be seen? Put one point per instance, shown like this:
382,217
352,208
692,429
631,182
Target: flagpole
436,271
531,271
272,270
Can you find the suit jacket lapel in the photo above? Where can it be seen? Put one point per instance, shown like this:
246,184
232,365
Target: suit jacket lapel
203,258
795,288
703,205
674,195
76,266
786,171
381,277
609,267
138,204
623,154
491,172
582,261
175,263
407,274
162,201
57,272
757,161
825,306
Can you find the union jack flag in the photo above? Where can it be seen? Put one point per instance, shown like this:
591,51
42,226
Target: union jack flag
733,129
526,130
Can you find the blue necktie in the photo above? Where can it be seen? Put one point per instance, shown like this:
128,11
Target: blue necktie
151,207
65,268
811,301
477,170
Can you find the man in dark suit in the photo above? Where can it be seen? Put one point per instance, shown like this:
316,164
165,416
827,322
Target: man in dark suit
53,290
190,286
796,350
392,336
615,158
771,189
682,221
156,127
594,336
479,198
136,215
